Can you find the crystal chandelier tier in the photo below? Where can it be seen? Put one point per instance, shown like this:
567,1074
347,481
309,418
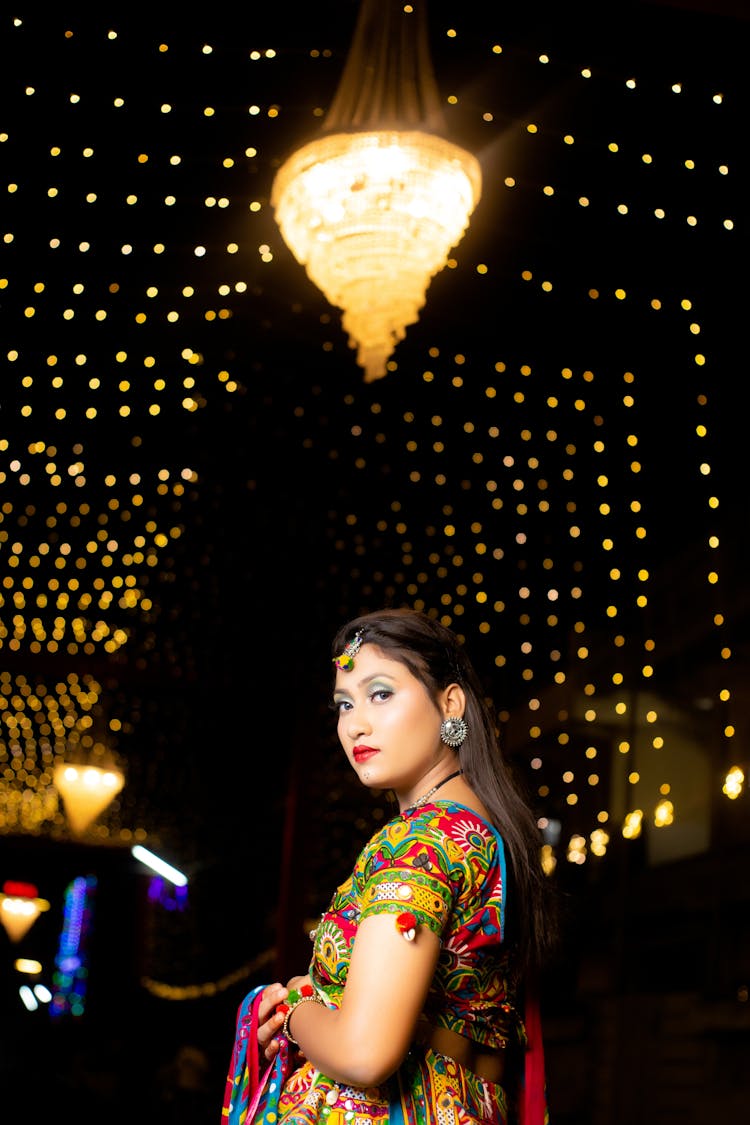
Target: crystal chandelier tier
373,205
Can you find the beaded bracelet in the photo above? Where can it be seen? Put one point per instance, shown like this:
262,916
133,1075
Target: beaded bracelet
293,1000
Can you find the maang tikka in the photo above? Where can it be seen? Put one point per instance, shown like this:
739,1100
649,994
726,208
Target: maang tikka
345,660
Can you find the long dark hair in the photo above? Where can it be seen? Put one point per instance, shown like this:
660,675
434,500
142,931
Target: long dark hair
435,656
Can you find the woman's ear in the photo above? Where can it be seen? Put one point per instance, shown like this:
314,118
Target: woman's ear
453,701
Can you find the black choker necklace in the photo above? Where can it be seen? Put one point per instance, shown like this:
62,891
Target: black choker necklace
426,796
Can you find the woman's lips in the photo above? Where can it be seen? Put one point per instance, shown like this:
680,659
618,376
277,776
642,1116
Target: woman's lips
362,753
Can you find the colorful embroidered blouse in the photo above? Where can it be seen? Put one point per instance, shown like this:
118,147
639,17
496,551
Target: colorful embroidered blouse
444,864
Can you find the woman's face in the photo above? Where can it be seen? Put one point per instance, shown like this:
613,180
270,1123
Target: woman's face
387,722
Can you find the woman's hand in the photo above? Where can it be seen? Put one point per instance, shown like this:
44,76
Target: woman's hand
269,1021
298,982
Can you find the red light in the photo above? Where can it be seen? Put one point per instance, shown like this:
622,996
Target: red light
20,890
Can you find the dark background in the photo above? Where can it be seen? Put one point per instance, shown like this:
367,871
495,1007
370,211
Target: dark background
294,496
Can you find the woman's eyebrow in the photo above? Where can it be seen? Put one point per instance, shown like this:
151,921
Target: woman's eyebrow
365,681
375,676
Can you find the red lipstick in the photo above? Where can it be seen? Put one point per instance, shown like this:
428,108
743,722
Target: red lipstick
362,753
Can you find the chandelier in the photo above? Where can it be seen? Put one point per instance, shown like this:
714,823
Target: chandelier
86,791
373,206
20,907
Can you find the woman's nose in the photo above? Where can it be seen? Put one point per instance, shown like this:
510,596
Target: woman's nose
358,724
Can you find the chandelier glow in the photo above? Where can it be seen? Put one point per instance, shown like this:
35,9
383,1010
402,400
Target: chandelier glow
86,792
372,217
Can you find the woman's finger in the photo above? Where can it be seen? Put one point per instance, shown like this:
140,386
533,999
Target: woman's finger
273,994
270,1028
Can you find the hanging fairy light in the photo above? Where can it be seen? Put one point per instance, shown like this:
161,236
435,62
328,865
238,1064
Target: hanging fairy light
664,814
373,206
631,828
733,783
577,849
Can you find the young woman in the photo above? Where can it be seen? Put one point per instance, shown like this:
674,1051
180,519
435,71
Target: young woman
418,1002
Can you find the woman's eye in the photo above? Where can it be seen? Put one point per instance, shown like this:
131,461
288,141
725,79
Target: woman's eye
342,705
381,694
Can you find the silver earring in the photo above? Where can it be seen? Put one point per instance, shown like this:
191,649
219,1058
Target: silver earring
453,731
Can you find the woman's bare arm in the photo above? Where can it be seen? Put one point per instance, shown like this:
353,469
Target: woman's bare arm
365,1040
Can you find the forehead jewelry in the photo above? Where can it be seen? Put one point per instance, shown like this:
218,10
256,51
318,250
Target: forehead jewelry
345,660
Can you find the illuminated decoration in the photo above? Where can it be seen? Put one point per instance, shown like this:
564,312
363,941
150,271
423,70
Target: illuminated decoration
28,999
549,860
599,839
55,723
70,979
523,486
87,790
42,993
32,996
28,965
167,991
156,863
20,907
373,206
47,719
166,894
631,828
734,783
576,849
664,814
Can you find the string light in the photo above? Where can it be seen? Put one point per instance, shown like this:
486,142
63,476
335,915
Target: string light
530,472
734,783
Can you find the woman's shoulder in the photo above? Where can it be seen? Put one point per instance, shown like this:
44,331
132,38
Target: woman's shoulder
465,825
447,825
444,845
446,814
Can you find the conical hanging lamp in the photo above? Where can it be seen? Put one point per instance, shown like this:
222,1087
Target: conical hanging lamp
20,907
374,204
86,790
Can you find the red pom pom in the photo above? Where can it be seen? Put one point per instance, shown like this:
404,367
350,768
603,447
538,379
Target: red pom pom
406,922
282,1009
306,990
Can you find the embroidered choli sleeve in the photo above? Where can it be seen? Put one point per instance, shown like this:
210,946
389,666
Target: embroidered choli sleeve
412,865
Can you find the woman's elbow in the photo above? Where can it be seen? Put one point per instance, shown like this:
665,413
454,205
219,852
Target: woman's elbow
368,1065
